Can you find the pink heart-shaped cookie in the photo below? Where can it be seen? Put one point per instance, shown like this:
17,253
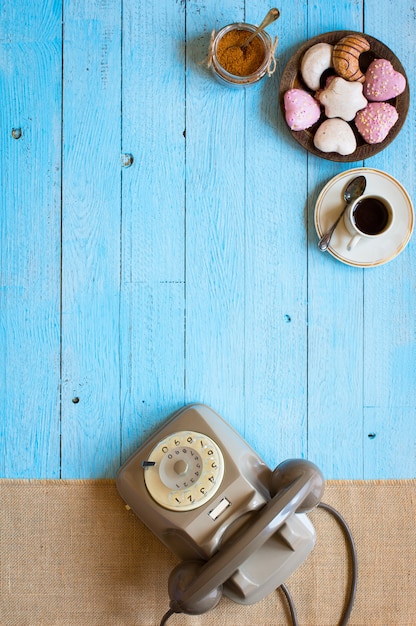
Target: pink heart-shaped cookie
375,121
382,81
301,109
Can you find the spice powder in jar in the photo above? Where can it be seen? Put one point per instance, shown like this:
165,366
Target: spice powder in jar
240,61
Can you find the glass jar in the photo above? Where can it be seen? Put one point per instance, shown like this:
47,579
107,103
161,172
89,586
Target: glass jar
233,80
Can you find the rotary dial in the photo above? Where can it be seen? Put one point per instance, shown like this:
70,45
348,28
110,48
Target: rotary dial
184,471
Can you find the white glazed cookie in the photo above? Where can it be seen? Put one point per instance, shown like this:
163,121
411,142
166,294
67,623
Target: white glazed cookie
316,60
342,98
335,135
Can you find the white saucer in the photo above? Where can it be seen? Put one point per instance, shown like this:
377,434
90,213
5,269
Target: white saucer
367,253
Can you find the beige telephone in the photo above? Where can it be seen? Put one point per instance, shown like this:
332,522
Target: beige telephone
238,527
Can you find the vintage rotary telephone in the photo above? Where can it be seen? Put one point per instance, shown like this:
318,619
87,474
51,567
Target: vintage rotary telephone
238,527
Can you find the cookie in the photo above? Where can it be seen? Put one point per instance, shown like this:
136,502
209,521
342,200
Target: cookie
316,60
375,121
335,135
342,98
382,81
301,109
346,56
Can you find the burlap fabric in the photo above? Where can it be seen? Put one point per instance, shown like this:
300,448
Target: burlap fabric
71,554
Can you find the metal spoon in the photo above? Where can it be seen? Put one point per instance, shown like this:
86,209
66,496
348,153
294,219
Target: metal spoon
271,17
354,190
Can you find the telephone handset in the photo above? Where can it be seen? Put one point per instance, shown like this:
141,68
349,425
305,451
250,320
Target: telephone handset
240,528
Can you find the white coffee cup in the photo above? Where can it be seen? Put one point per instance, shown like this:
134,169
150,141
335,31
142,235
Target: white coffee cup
367,218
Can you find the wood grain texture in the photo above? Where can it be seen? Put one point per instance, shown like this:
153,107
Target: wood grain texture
389,356
276,265
171,256
30,113
215,229
91,239
335,318
152,310
353,382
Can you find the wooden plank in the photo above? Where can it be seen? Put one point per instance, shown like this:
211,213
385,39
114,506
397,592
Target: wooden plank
91,240
390,297
335,315
215,228
153,207
30,114
276,261
152,358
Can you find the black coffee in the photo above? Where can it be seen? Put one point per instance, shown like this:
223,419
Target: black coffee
371,216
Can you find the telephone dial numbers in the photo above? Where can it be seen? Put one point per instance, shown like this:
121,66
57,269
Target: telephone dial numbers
184,471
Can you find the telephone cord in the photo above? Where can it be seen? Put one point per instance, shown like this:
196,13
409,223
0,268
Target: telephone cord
354,576
354,559
290,603
166,616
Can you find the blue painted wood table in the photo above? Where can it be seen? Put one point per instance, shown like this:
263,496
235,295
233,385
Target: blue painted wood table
158,246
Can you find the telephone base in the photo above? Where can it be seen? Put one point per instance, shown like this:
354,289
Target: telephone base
197,484
273,563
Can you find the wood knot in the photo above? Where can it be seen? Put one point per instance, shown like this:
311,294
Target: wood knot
127,159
